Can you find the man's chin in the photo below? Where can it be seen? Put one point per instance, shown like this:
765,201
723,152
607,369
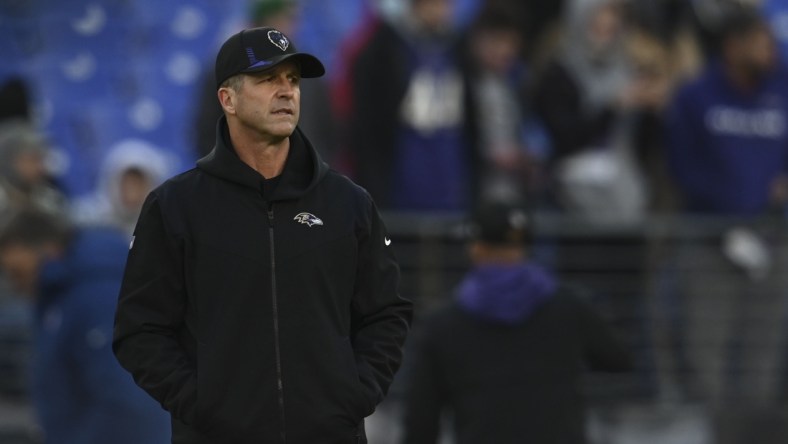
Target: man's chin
283,130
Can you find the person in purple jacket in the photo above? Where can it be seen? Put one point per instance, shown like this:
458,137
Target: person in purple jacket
727,133
507,355
728,128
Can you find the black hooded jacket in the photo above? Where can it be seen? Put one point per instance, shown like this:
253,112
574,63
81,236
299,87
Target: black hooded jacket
262,318
507,376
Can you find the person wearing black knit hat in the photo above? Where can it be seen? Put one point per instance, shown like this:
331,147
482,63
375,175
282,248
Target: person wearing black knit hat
260,301
506,354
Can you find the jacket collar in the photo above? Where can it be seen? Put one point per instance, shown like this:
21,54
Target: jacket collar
303,168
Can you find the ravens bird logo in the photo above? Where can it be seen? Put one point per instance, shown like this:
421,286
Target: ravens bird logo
308,218
278,39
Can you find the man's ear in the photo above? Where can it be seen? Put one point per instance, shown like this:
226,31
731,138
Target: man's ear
227,99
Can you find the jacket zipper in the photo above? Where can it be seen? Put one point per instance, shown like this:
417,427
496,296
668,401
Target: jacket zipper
275,306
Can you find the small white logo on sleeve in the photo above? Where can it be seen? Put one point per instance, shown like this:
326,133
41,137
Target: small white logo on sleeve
308,219
131,244
387,241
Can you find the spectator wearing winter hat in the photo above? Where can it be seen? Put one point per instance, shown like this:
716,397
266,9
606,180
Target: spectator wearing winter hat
24,178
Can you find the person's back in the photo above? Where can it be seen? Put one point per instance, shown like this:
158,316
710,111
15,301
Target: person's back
505,383
507,357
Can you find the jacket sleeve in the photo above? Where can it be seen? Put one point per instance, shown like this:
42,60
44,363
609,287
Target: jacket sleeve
150,312
380,317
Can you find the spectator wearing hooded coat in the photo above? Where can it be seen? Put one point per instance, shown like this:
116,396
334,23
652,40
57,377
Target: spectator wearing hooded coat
131,170
80,393
507,355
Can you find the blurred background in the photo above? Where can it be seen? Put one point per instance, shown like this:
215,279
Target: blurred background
649,138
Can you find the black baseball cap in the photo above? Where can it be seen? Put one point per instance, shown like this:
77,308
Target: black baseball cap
502,222
258,49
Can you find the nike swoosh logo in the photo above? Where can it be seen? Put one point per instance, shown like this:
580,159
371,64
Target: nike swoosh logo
387,241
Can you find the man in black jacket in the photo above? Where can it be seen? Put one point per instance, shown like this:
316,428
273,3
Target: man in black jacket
507,356
259,303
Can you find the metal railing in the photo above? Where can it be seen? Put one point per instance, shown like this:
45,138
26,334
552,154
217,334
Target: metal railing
642,276
662,282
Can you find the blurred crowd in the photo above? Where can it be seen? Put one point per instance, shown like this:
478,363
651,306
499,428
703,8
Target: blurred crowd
610,112
607,110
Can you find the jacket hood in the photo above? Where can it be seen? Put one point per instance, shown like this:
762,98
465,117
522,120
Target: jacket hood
303,169
599,72
104,205
93,254
505,294
131,154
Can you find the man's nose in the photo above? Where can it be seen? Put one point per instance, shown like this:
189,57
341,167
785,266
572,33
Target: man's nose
286,87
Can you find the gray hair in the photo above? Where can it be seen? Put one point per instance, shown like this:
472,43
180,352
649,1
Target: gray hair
233,82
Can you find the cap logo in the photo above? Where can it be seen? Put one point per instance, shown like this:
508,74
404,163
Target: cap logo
278,39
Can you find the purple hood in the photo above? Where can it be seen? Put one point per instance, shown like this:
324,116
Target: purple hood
506,294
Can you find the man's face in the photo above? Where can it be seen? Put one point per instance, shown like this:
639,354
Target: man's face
21,264
754,51
497,49
30,167
268,102
435,15
604,27
134,187
762,50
